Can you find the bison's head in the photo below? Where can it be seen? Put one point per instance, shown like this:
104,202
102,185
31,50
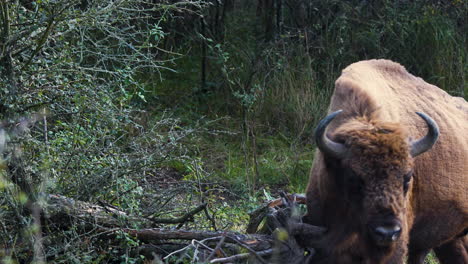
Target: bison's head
371,163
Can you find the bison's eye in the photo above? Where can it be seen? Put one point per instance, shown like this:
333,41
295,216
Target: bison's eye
406,181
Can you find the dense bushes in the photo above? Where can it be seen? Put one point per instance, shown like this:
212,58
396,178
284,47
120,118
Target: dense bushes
75,117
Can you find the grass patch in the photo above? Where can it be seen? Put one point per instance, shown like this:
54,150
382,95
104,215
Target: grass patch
431,259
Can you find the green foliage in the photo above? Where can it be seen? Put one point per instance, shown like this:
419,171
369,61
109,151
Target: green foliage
279,166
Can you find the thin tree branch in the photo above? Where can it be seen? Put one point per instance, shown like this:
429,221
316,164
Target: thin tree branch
180,220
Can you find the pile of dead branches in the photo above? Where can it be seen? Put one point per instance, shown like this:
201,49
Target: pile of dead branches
269,238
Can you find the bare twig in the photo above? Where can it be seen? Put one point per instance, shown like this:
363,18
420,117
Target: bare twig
210,218
217,248
178,251
193,245
255,253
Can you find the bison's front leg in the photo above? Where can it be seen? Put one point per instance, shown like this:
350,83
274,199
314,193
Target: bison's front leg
417,256
454,251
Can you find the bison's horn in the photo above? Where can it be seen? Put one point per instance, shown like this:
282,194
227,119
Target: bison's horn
424,144
325,144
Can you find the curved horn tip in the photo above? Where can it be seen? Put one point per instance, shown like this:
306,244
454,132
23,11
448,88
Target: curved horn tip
326,145
322,125
424,144
326,120
337,112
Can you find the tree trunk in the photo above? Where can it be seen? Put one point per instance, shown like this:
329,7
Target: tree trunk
266,12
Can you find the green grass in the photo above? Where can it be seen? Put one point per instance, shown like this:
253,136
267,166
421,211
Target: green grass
431,259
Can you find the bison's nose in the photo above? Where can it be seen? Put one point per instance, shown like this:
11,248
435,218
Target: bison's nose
385,235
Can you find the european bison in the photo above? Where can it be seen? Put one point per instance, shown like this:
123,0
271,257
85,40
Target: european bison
390,176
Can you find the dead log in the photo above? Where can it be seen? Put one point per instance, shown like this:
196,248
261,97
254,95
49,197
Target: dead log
63,211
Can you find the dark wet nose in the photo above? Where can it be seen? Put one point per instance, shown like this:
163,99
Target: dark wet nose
386,234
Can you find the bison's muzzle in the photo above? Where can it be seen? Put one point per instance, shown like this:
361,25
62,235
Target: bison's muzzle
384,234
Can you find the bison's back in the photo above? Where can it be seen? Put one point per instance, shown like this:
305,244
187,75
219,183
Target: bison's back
386,90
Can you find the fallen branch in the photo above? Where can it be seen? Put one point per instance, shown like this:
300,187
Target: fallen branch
257,242
217,248
187,217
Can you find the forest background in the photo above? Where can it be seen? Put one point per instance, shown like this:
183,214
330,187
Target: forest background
154,107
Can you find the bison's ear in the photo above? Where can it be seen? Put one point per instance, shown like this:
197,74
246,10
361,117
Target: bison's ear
326,145
424,144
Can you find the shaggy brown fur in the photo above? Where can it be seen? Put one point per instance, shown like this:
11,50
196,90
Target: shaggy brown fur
379,99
